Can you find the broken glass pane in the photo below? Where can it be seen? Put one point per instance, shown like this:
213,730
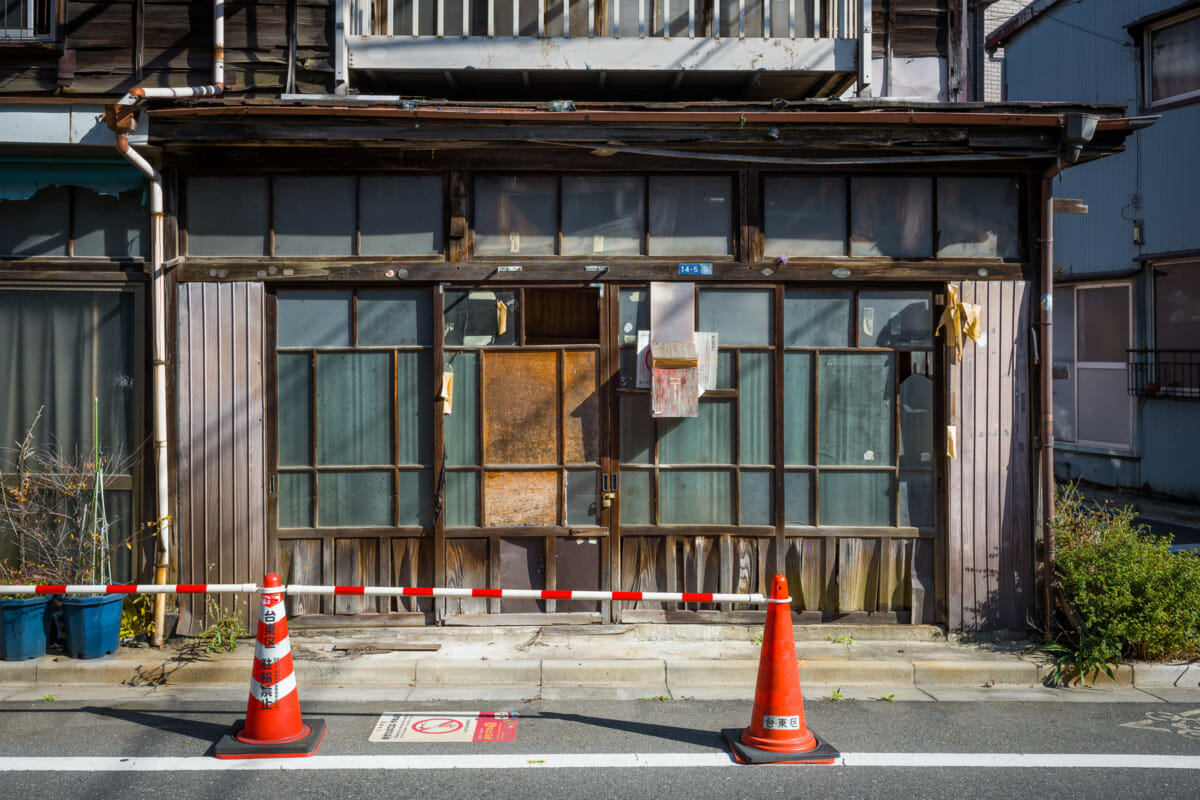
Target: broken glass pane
476,319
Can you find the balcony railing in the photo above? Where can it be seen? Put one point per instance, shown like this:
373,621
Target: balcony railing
628,36
26,20
1164,373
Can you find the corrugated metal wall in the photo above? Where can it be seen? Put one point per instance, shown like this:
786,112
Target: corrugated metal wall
221,445
989,521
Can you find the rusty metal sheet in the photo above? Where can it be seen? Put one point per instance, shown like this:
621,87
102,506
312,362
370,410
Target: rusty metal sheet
520,498
520,414
581,408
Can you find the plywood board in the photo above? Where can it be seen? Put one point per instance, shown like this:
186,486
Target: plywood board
581,408
520,499
520,414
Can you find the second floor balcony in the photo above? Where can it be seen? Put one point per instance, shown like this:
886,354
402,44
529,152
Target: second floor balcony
794,49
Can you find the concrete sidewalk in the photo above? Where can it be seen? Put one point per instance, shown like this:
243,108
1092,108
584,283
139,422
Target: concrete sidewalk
610,661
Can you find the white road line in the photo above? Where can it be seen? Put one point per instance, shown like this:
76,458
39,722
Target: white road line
582,760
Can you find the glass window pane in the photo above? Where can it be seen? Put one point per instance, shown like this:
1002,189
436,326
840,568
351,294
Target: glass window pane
1105,418
706,439
36,226
354,408
314,216
629,357
979,218
114,227
227,216
314,319
637,429
636,494
797,498
1103,323
354,499
603,216
515,215
891,217
462,500
414,407
805,216
295,409
635,314
474,319
856,407
400,214
691,215
1064,358
916,499
855,498
756,407
583,497
1175,59
725,360
416,497
396,318
60,349
816,319
295,500
797,408
916,421
895,319
695,498
758,498
738,316
1176,306
462,423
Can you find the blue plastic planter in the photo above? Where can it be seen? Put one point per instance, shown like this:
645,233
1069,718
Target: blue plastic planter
23,627
91,625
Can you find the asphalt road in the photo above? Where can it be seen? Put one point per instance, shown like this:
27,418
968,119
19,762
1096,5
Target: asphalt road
161,748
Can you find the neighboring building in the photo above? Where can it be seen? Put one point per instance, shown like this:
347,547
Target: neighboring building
359,213
1127,302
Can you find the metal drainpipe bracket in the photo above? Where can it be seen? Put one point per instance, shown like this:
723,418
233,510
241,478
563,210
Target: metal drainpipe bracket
120,119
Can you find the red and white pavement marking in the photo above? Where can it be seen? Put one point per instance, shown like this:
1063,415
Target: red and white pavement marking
385,591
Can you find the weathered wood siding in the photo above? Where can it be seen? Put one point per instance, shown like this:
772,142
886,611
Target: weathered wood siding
120,44
220,443
989,520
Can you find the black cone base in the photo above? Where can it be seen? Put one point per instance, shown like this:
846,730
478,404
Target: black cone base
824,753
231,747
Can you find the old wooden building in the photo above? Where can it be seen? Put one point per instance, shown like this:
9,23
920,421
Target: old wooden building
377,293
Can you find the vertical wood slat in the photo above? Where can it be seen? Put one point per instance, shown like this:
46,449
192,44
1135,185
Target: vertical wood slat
221,441
989,513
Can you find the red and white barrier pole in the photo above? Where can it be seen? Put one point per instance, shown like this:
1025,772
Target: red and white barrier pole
389,591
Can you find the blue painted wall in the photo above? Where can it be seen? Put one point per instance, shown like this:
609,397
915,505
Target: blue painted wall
1080,51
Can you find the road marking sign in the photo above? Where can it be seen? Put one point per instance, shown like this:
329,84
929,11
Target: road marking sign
1185,724
452,726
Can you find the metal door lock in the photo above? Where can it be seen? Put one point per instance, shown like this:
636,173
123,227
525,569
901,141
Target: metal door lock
606,499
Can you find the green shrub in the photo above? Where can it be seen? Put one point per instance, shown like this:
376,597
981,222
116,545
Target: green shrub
1133,596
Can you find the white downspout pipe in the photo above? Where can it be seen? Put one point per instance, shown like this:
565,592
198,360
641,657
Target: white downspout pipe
158,294
159,379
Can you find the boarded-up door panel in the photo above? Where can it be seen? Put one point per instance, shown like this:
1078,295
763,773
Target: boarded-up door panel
220,436
520,423
989,521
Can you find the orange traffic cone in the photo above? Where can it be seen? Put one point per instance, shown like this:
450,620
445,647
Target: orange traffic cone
777,733
273,727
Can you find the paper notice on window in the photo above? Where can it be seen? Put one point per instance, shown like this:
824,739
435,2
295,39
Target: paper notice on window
706,347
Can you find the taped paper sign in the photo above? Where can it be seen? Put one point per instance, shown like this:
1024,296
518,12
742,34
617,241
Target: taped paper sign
449,726
447,392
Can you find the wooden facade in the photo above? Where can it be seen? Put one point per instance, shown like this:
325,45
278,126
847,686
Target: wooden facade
312,335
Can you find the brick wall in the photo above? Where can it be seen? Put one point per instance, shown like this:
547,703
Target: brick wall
989,81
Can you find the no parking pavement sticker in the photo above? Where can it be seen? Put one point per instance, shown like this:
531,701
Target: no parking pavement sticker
447,726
